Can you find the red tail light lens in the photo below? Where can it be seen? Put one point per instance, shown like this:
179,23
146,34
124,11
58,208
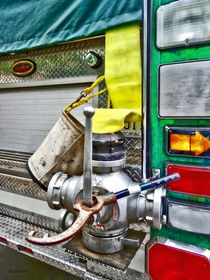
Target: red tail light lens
193,180
3,240
168,260
24,249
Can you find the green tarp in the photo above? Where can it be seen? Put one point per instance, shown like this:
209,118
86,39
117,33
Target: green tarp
26,24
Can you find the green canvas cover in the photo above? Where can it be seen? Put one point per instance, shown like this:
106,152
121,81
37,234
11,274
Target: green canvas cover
28,24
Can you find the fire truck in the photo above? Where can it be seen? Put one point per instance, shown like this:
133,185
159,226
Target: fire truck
139,208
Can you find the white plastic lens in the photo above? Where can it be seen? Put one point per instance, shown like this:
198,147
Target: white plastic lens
184,89
183,23
188,217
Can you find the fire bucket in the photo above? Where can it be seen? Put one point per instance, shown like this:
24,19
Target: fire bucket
62,149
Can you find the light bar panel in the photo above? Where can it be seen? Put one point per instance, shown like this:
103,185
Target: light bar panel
183,23
184,89
191,217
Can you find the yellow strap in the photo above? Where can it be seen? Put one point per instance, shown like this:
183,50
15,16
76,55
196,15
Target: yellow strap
112,120
123,67
82,98
123,80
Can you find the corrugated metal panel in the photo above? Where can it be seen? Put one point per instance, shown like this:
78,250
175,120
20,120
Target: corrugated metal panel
28,113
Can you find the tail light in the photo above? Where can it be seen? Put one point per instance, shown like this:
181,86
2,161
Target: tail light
193,180
3,240
168,259
25,250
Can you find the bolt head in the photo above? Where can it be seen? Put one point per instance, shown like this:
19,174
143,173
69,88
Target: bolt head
93,59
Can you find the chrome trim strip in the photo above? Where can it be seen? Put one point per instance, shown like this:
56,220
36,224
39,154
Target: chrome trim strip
147,12
113,163
51,82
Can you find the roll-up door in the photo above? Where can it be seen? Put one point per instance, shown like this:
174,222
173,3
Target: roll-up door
28,111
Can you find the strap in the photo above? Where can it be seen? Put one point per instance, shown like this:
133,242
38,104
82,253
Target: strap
83,95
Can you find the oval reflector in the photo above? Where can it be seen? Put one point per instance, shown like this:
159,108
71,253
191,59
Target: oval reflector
165,262
23,68
193,180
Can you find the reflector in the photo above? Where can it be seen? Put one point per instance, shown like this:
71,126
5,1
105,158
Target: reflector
24,249
191,217
194,180
168,259
183,23
3,240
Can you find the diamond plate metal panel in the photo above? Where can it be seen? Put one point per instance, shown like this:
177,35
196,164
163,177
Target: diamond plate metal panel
55,62
14,231
21,185
11,164
133,172
42,221
108,272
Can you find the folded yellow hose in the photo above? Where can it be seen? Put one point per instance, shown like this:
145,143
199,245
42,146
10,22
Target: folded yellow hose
123,80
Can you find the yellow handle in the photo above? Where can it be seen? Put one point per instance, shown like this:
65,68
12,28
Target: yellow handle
82,98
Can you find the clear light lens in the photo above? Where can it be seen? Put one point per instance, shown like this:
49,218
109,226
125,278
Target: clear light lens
168,259
93,59
184,89
188,217
183,23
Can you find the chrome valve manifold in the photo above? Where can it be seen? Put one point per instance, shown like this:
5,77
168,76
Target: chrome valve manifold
106,233
106,198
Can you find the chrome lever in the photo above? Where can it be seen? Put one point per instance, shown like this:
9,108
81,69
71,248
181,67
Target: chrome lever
87,165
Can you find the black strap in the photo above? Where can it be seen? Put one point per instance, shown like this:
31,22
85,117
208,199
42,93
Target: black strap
35,179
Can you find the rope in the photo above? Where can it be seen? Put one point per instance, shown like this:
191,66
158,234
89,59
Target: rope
83,95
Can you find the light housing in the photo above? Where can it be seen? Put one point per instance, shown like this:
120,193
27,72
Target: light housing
188,216
188,141
169,259
194,180
184,89
183,23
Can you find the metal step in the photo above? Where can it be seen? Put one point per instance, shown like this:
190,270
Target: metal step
14,178
13,233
